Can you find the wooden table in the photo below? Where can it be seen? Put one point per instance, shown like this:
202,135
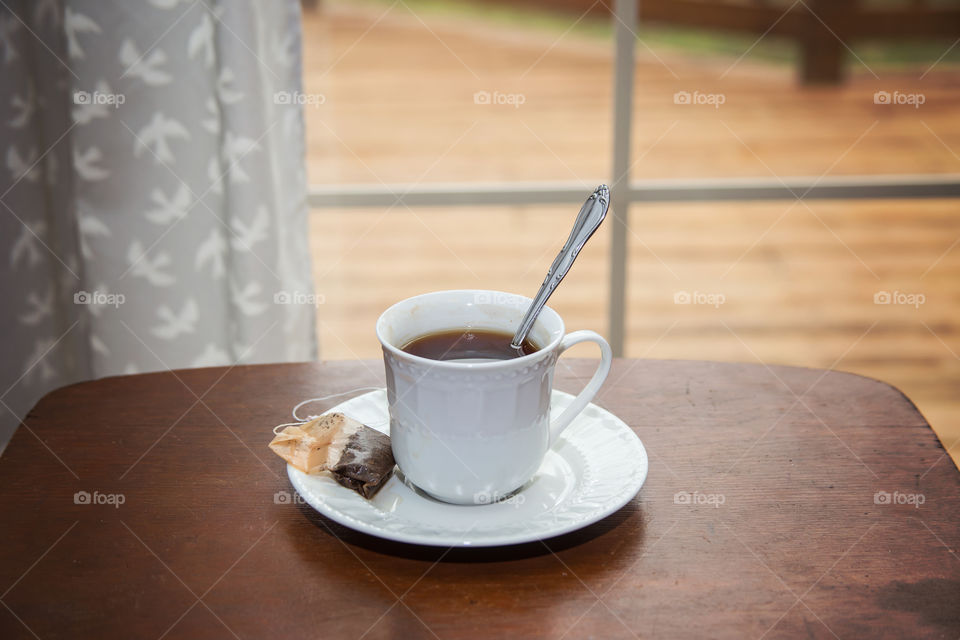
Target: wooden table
817,503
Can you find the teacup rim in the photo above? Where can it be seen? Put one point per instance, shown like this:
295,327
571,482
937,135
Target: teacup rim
542,352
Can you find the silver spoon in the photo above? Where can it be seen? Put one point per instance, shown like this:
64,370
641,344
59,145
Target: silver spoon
592,213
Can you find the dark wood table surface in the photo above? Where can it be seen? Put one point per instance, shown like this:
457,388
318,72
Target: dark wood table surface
821,505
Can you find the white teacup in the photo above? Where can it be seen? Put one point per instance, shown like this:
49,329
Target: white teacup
475,432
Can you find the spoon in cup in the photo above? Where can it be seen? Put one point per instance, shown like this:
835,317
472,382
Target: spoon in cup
592,213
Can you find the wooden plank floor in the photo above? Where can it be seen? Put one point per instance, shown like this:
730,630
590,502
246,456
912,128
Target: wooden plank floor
798,280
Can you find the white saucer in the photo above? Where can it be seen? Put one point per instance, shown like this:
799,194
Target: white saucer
596,467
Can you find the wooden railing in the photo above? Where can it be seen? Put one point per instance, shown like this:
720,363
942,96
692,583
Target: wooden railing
822,28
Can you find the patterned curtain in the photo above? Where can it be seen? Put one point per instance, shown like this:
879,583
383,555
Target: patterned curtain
152,190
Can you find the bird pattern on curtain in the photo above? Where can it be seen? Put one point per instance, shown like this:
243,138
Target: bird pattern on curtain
153,190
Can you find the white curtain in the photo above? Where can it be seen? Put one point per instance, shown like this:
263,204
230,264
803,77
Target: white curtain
152,190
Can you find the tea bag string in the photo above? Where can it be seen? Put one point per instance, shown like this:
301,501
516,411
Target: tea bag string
301,421
330,397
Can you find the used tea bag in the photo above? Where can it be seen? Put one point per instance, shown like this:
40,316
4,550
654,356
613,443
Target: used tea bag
359,457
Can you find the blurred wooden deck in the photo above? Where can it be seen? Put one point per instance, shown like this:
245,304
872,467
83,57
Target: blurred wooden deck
798,280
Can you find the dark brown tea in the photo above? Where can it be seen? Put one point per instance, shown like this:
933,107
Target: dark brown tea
468,344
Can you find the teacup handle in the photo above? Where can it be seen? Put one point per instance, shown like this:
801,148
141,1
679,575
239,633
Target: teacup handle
584,397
